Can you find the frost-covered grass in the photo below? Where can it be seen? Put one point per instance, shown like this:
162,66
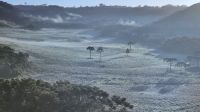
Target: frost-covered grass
140,77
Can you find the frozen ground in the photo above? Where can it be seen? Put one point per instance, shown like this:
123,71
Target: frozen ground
140,77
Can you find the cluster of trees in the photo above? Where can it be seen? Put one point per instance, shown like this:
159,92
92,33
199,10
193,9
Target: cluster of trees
170,61
174,62
28,95
12,63
99,50
192,61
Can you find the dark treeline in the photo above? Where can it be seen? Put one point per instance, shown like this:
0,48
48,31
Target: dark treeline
12,63
101,10
20,14
28,95
10,13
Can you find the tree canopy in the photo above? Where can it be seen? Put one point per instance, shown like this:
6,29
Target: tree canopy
28,95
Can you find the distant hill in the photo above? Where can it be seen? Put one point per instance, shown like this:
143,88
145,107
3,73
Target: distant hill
10,13
177,33
121,22
7,11
179,24
52,16
99,15
141,15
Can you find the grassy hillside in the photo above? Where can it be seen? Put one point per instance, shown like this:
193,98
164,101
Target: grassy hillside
29,95
182,23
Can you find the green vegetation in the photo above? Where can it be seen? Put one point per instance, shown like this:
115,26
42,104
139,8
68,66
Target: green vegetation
12,63
28,95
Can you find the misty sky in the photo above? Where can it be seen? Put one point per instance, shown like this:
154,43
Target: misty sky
107,2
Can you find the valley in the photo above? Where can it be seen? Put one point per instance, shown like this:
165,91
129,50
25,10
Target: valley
140,77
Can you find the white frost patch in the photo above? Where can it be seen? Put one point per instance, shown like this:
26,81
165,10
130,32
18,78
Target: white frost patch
74,15
140,77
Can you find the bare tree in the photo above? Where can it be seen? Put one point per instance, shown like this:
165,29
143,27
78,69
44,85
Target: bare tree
100,50
90,48
170,61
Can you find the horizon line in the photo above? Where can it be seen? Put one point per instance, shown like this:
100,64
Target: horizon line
103,6
98,5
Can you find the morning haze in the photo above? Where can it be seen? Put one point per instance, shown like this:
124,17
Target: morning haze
99,56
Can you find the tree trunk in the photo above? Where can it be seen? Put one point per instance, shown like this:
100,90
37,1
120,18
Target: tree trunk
100,57
90,54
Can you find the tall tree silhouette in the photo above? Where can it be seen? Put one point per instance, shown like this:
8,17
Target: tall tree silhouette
100,50
127,51
130,43
90,49
170,61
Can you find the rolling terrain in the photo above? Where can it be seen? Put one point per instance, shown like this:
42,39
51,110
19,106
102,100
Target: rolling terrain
56,39
141,77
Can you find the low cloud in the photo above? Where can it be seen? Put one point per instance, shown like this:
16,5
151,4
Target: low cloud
127,22
56,19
